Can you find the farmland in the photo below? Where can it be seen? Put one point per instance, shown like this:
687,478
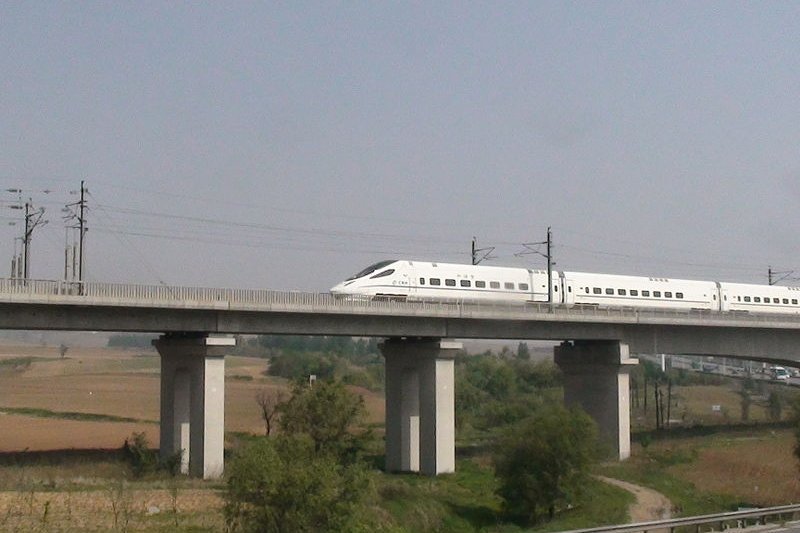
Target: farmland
62,420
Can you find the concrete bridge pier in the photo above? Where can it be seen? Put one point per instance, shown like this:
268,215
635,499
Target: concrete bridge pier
420,405
597,379
193,401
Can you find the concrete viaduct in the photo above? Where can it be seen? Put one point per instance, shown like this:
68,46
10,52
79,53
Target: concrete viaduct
420,432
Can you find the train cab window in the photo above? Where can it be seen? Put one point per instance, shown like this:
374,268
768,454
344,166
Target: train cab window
786,300
657,294
422,281
609,291
597,290
523,286
509,286
757,299
494,284
466,283
646,293
667,295
622,292
746,298
450,282
436,281
679,295
383,274
634,292
480,284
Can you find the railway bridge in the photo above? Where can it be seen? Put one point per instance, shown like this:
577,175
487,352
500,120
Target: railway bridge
196,325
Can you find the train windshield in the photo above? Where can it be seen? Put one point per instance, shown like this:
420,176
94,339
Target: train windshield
370,269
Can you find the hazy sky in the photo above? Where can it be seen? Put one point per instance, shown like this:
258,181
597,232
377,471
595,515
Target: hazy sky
287,145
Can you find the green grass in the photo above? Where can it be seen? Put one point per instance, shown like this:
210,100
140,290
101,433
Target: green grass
466,502
70,415
20,363
686,499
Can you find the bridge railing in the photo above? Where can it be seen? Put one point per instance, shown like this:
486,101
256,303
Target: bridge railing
50,291
712,522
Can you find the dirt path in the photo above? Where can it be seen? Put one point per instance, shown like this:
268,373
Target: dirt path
650,505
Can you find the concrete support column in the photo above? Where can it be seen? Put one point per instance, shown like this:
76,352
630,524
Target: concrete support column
420,405
193,401
597,379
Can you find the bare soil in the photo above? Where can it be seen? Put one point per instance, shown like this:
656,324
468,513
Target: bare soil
650,505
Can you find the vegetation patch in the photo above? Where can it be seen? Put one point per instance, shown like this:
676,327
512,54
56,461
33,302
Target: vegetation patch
69,415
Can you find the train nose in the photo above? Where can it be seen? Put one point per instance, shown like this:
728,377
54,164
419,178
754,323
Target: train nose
338,289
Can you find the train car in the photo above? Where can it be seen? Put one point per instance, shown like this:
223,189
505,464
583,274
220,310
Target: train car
760,298
426,281
447,282
636,291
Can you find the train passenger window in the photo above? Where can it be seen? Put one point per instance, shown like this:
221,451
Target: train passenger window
523,286
422,281
450,282
786,300
679,295
657,294
436,281
776,300
587,290
645,293
597,290
746,298
794,302
466,283
609,291
509,286
622,292
667,295
480,284
634,292
569,288
555,288
494,284
757,299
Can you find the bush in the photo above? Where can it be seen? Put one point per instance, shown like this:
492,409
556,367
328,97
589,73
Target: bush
282,484
543,462
144,460
329,414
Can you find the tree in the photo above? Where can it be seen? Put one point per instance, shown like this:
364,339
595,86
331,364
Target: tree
543,462
269,400
523,352
329,414
283,485
775,406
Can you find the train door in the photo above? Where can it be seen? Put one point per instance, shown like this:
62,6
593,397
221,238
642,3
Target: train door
567,289
724,304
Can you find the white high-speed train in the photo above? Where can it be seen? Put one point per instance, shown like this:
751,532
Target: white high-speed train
422,281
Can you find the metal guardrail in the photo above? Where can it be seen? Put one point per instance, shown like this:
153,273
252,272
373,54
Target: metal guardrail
738,519
116,294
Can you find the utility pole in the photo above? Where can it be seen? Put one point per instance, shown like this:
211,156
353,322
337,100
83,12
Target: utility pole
82,221
76,211
33,219
783,275
549,266
532,248
476,250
